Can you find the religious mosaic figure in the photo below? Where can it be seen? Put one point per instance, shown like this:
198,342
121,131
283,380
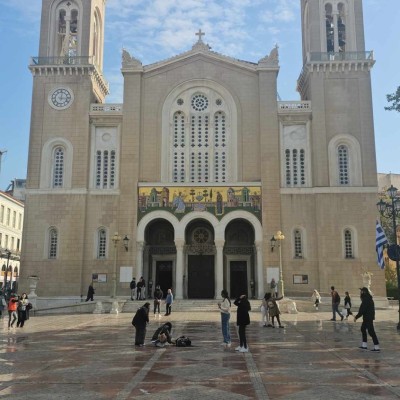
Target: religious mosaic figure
179,203
219,204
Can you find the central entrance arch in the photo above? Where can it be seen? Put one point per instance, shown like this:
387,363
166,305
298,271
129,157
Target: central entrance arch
199,238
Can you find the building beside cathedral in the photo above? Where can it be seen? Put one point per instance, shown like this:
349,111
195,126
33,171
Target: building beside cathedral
200,165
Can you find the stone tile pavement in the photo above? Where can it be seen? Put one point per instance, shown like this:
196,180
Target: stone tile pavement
90,356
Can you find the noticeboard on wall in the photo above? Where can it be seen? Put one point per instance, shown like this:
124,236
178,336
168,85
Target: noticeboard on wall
300,279
99,278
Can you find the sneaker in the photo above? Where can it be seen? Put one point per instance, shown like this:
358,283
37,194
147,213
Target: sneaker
363,348
238,348
281,326
376,350
269,326
228,344
341,317
223,344
244,350
316,308
332,319
265,325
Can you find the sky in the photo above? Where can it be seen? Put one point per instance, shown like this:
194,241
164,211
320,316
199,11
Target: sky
153,30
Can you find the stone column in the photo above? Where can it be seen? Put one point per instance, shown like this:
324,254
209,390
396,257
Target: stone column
139,260
260,271
179,243
219,267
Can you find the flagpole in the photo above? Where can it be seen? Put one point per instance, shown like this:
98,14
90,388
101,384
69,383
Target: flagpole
392,210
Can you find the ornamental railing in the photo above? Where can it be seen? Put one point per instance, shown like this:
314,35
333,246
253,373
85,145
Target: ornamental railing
295,106
341,56
64,60
106,108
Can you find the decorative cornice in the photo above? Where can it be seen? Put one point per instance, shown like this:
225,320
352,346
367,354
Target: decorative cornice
271,61
130,63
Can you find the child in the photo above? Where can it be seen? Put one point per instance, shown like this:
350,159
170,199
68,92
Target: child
347,305
317,298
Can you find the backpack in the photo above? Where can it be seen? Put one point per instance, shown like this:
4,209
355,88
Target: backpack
133,285
183,341
337,297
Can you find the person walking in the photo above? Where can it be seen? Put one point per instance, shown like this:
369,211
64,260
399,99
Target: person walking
335,304
265,318
90,293
22,310
243,319
132,286
367,311
317,298
225,308
140,321
168,302
273,309
158,295
12,309
347,304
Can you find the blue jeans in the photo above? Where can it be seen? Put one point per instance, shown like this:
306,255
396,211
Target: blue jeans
225,327
335,309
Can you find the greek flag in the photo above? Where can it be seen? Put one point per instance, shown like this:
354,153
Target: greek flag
380,242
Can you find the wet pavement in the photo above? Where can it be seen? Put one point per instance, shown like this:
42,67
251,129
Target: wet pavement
93,357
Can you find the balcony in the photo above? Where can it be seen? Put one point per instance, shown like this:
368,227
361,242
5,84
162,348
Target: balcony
285,107
100,109
341,56
71,65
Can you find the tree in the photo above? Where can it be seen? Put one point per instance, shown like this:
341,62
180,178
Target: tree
394,98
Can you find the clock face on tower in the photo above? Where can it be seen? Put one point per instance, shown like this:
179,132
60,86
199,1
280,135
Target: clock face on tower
61,98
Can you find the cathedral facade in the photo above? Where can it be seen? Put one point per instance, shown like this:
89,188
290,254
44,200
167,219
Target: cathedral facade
187,181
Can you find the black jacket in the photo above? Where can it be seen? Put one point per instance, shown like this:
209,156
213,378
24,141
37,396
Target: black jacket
158,294
367,308
141,317
243,308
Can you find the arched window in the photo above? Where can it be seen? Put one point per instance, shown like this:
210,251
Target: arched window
330,29
52,243
97,39
298,244
341,27
58,168
101,243
348,244
67,32
200,137
343,165
345,161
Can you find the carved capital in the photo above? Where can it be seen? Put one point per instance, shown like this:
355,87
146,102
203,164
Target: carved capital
258,245
179,243
140,246
219,243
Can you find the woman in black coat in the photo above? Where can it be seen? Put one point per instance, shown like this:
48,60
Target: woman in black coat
243,319
367,311
140,321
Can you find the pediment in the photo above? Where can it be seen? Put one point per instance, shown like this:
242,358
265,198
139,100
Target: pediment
203,51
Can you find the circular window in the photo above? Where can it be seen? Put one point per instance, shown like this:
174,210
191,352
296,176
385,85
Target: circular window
201,235
199,102
180,101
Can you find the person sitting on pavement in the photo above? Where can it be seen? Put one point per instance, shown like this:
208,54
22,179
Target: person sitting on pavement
162,335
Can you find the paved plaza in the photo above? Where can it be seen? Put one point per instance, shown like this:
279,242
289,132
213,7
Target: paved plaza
90,356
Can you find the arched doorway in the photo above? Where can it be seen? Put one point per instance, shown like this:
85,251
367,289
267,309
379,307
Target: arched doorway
200,249
239,255
161,255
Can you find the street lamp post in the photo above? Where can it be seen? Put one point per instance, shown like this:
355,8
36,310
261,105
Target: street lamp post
6,268
277,239
116,239
392,210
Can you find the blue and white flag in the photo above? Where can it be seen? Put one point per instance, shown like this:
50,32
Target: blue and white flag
380,242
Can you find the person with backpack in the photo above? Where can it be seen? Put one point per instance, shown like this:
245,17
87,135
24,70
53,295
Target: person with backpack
367,311
140,321
132,286
335,304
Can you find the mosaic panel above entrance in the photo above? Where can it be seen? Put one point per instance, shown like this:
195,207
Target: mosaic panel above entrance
217,200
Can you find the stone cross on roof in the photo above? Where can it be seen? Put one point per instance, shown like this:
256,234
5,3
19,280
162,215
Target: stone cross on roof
200,34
